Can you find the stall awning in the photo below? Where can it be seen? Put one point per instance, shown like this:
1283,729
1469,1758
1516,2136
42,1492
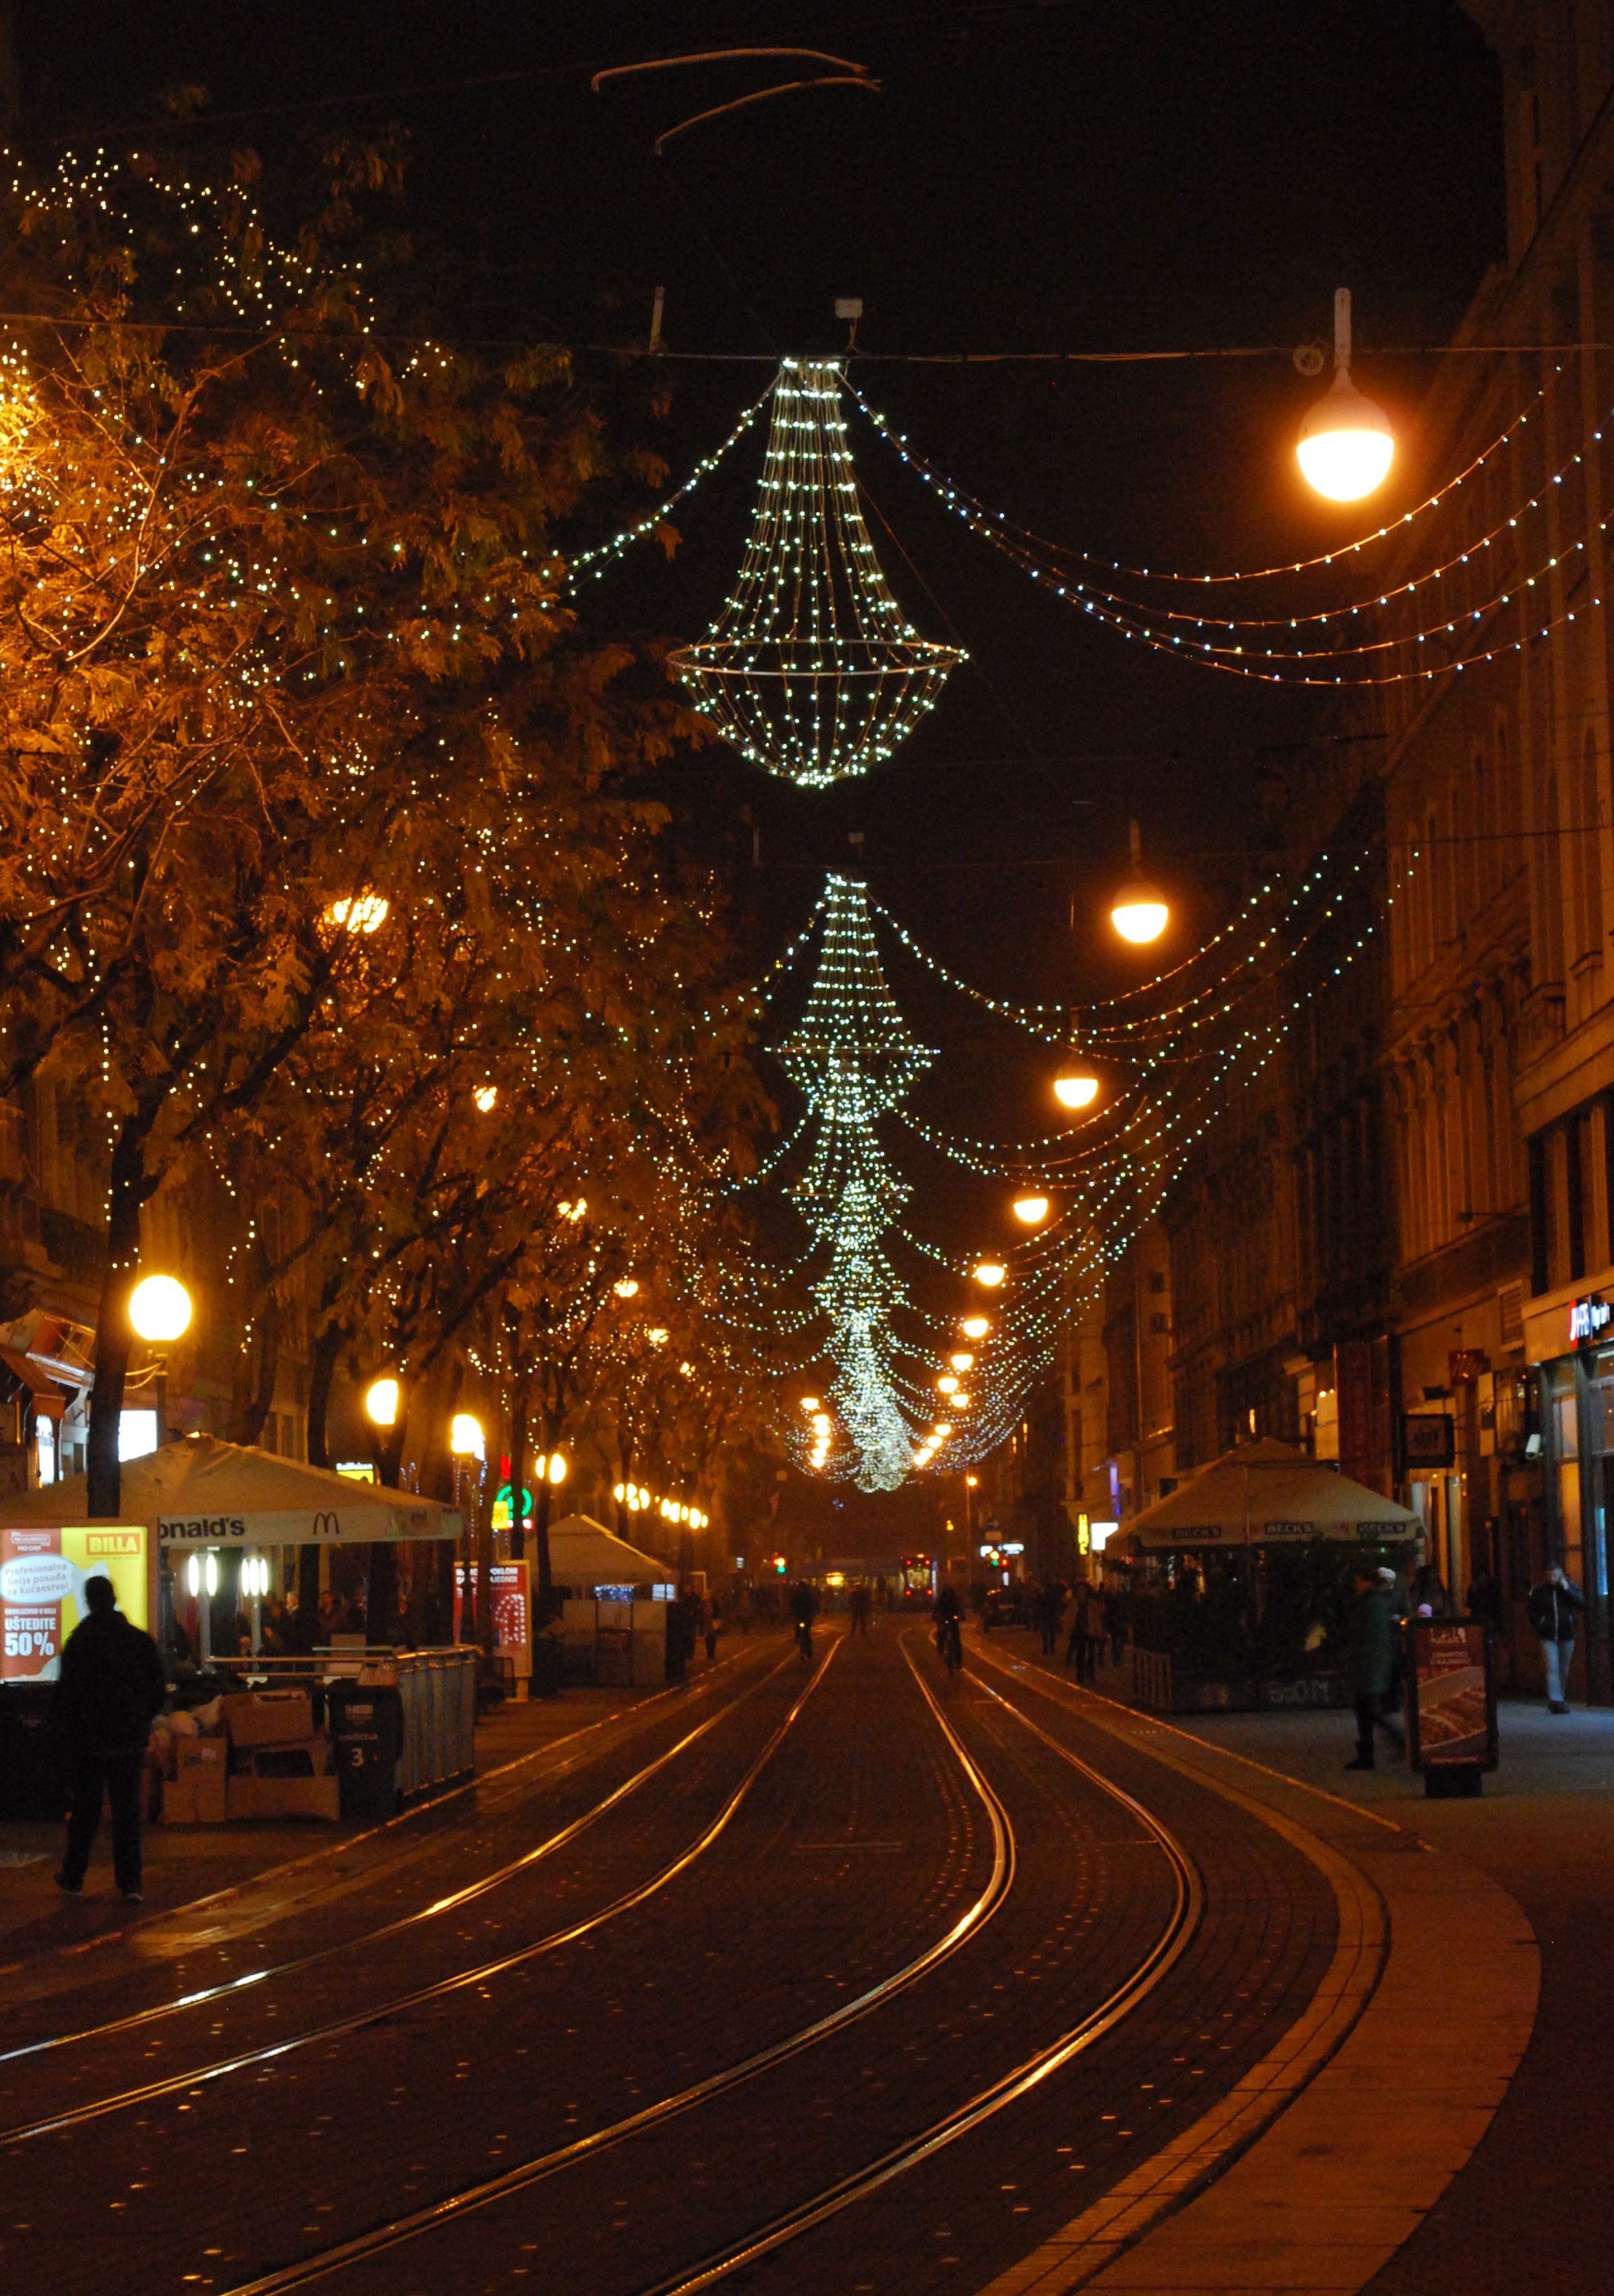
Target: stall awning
203,1492
1264,1494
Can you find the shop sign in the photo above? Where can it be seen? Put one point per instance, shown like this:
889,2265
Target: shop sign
1589,1319
1428,1440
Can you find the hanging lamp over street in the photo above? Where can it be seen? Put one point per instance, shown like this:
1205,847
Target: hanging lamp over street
1345,444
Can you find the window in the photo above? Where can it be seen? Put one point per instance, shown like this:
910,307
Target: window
1549,908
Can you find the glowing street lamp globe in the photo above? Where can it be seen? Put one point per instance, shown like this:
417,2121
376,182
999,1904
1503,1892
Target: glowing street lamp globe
1031,1210
1076,1088
976,1327
991,1273
380,1402
466,1435
1345,444
1139,914
963,1361
948,1386
159,1310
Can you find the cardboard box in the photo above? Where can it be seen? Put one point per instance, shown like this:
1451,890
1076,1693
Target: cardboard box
307,1757
248,1797
201,1754
269,1718
196,1797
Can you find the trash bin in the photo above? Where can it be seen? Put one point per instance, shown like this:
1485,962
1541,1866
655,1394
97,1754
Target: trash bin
548,1657
33,1775
368,1744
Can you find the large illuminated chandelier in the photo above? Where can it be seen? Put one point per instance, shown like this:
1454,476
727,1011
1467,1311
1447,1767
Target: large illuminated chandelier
852,1058
812,670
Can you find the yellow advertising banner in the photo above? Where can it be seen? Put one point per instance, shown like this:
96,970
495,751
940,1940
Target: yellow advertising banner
43,1571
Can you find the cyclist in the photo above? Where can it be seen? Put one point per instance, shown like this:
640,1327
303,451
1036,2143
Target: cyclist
804,1610
946,1615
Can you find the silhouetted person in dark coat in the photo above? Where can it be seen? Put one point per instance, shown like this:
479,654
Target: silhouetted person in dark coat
110,1689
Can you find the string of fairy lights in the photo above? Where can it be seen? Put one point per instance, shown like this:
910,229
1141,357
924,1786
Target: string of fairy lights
810,670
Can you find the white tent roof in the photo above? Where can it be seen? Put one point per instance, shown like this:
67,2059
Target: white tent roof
203,1492
1260,1495
582,1553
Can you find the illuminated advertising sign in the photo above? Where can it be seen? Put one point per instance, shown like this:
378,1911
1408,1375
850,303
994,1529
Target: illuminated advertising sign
507,1586
43,1573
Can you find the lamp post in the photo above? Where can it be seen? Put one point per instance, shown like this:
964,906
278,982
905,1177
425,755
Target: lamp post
159,1310
465,1442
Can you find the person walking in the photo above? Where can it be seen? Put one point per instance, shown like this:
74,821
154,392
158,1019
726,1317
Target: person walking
1080,1641
859,1605
110,1691
1372,1663
1552,1607
1049,1602
1115,1622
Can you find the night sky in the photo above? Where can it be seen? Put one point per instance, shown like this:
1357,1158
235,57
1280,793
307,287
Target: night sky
1030,178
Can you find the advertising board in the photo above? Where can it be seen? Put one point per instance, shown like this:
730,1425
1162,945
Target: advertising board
512,1616
1451,1707
43,1571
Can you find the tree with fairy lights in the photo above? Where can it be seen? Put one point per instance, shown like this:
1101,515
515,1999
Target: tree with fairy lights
285,660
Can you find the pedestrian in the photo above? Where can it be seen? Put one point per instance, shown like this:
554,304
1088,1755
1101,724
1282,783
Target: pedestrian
1552,1607
860,1606
1115,1622
1079,1640
110,1691
1050,1601
1485,1600
742,1609
1371,1663
711,1625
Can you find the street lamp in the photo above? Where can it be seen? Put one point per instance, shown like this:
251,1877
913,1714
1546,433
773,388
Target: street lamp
381,1401
975,1327
1075,1086
1140,909
1032,1210
159,1310
963,1361
990,1272
1345,444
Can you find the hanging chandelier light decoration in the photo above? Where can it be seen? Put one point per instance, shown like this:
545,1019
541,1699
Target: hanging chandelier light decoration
853,1060
812,670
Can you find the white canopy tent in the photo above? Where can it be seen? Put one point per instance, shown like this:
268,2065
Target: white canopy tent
583,1555
1264,1493
202,1492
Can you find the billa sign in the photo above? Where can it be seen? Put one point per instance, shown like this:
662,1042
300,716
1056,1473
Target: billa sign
43,1573
1589,1319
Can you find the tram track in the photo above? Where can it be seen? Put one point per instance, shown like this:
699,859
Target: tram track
454,1901
763,2133
449,2210
458,1981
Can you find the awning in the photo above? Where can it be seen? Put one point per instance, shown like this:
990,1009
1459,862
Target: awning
203,1492
1264,1493
48,1396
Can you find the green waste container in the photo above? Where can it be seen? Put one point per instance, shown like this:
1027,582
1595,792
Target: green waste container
367,1744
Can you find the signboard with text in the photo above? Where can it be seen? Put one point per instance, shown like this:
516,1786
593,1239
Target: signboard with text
1451,1706
512,1611
43,1571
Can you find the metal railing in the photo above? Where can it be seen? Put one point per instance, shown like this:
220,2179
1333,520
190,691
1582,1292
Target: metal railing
437,1689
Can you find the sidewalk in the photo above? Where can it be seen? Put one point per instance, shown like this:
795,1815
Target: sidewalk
1526,2193
1535,2204
184,1864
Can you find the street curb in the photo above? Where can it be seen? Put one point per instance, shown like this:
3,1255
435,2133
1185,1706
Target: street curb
1327,2155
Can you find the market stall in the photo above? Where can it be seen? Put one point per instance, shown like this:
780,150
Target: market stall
1241,1580
614,1600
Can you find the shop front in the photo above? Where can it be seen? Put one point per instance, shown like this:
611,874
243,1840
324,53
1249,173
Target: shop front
1570,1345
